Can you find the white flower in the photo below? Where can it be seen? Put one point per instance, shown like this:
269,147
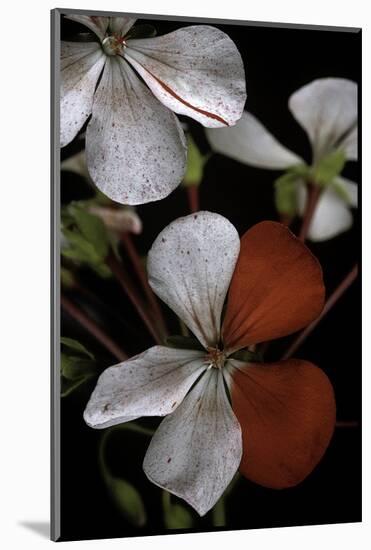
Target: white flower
135,146
281,415
327,110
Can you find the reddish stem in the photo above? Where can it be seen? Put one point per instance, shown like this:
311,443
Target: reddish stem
346,424
126,284
331,301
140,271
314,192
193,198
91,326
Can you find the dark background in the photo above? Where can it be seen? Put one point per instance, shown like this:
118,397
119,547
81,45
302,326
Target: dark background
277,62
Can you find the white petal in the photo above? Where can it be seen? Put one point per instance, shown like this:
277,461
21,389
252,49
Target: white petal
96,24
151,384
190,266
327,110
332,216
350,144
351,189
195,71
196,451
251,143
121,25
81,65
135,147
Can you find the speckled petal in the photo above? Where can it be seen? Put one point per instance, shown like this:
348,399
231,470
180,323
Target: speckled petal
135,147
195,71
190,266
81,65
153,383
196,451
96,24
332,216
251,143
327,109
121,25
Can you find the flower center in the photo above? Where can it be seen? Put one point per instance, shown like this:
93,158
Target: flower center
114,45
215,358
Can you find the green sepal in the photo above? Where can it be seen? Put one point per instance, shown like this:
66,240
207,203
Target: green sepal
329,167
183,342
128,500
285,194
195,164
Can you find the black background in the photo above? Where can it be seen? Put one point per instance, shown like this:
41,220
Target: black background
277,62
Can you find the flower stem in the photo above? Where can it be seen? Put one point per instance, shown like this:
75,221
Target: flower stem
91,326
218,513
126,285
140,271
331,301
346,424
193,198
314,192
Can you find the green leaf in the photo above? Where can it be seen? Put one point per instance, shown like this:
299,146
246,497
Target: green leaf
183,342
69,386
195,164
79,249
329,167
92,228
128,500
67,278
286,193
87,238
74,345
75,368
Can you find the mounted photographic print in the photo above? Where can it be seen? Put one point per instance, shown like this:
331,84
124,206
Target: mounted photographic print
206,295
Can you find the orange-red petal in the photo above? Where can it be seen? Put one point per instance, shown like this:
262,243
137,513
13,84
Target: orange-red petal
276,288
287,414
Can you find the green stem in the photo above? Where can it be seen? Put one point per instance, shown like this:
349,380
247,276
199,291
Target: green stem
133,427
166,502
218,513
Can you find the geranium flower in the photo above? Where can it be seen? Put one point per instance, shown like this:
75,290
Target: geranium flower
327,110
135,146
281,416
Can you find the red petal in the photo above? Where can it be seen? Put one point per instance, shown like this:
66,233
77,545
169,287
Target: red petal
287,414
276,288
